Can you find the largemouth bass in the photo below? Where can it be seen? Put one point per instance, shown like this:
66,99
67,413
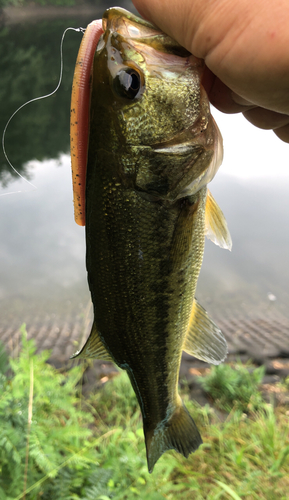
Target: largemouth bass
153,147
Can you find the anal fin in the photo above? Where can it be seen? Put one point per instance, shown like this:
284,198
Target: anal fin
93,348
204,339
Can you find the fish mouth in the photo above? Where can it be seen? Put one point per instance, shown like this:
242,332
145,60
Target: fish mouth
117,17
139,30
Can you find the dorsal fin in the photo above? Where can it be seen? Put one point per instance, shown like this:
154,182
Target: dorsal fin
93,348
204,339
216,228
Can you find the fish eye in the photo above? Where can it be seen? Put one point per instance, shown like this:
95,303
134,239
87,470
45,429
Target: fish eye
127,83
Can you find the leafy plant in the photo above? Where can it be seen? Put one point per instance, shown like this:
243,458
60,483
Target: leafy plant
234,387
45,440
286,382
4,362
56,444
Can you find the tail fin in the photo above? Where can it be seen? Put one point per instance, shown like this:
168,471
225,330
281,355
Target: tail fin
179,433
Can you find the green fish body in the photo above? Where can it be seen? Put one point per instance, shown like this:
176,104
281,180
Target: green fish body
153,147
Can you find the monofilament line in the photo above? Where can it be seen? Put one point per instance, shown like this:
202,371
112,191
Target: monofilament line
82,30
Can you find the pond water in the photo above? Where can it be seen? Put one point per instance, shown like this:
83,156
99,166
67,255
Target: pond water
42,250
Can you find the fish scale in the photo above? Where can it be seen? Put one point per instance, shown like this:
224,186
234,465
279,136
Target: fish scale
140,302
153,146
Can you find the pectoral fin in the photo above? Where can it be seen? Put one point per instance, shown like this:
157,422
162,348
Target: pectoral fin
216,228
204,339
93,348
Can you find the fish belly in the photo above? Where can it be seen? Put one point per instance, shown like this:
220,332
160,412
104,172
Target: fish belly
142,289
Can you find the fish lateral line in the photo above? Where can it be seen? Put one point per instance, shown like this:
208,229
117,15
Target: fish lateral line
81,30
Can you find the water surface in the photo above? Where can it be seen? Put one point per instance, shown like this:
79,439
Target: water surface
42,251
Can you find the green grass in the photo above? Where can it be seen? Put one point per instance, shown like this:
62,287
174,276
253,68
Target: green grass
93,449
242,457
236,387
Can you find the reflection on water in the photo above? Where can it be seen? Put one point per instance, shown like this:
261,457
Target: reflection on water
257,212
42,251
29,67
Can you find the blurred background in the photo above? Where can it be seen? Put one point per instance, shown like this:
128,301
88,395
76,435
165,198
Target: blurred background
42,250
83,424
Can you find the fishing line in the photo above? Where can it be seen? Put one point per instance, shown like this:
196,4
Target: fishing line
82,30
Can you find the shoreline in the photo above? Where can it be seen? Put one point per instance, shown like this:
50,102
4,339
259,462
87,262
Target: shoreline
32,13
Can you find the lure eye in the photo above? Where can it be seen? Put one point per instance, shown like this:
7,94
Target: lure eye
127,83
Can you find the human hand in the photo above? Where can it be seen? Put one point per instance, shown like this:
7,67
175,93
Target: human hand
245,45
